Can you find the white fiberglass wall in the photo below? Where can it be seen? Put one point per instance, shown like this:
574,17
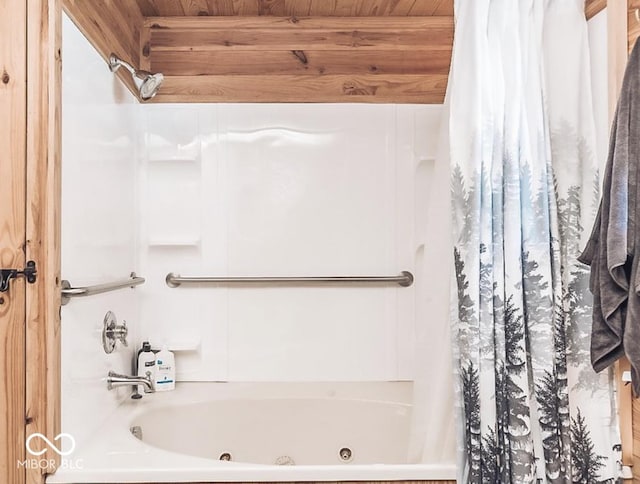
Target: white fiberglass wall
276,190
99,160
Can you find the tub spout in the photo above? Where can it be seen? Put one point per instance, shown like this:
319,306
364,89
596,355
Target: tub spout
117,380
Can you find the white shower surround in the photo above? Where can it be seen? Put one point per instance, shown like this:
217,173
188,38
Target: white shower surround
247,190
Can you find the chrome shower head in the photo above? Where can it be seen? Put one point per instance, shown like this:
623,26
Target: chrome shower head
150,84
146,82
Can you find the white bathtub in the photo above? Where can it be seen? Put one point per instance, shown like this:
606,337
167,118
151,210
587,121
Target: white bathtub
269,431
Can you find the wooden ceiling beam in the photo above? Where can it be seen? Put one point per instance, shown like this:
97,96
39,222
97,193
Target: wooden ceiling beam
418,89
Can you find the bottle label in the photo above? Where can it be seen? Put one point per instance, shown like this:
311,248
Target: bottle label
149,363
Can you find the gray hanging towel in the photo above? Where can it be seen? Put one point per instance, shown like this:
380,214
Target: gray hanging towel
611,250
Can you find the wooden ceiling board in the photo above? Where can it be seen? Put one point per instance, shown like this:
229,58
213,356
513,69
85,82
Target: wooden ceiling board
299,62
435,26
279,33
281,39
286,8
147,8
194,7
371,88
444,8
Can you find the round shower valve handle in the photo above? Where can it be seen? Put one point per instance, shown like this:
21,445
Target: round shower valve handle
112,332
119,333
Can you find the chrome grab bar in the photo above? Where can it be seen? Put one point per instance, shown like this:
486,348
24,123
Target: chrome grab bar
404,279
69,292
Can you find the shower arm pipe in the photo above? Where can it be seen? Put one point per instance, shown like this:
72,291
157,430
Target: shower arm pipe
69,292
404,279
121,63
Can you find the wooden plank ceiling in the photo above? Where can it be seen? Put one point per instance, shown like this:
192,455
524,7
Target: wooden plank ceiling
392,51
395,51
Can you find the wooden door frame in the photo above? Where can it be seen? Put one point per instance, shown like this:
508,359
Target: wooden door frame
43,225
13,76
30,74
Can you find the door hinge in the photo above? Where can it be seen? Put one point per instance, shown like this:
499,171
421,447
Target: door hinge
28,272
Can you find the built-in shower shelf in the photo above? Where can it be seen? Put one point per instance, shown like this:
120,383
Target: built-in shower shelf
178,346
184,346
177,242
424,161
159,162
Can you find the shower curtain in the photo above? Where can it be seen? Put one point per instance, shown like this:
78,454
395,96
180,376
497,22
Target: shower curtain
525,185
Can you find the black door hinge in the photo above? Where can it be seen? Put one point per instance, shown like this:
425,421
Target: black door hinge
6,275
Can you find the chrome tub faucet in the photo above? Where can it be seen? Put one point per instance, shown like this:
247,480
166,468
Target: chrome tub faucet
117,380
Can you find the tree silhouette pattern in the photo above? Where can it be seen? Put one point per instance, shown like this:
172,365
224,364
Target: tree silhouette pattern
586,463
520,338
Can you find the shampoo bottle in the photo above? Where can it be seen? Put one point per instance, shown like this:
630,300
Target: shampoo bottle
165,375
146,363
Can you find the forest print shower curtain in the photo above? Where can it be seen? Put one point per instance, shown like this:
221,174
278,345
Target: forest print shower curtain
524,196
